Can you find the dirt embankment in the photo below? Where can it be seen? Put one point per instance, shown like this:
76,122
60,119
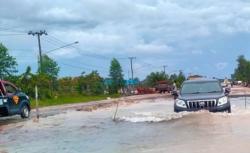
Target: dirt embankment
90,106
239,91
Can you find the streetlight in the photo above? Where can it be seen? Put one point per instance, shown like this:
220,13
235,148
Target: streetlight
76,42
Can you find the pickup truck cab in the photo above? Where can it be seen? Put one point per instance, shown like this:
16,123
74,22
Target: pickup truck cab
202,94
164,86
13,101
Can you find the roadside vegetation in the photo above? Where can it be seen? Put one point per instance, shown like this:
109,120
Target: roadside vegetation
154,77
72,99
55,90
242,72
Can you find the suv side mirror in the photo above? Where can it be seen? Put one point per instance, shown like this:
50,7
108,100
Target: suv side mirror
175,94
227,91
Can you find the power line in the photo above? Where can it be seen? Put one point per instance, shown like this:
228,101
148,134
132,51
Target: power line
56,40
121,58
146,65
8,28
81,67
74,66
12,34
59,42
20,50
68,45
80,51
52,42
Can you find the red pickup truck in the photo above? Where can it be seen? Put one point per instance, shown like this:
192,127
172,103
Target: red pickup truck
13,101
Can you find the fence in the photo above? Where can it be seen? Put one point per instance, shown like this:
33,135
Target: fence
244,96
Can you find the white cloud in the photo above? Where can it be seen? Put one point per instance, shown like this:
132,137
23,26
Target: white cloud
65,53
152,48
60,14
221,65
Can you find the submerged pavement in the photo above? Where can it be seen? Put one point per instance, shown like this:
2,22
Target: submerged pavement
150,126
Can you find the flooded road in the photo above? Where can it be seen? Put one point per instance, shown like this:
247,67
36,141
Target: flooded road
150,126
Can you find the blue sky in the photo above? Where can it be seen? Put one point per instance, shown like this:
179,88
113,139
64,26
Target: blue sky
198,37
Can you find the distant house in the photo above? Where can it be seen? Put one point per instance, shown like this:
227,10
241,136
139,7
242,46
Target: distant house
195,77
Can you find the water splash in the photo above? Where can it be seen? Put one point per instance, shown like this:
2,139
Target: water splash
139,117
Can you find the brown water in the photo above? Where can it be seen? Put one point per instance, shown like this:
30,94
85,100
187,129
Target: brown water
150,127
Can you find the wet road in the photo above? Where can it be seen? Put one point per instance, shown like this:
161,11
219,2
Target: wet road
150,126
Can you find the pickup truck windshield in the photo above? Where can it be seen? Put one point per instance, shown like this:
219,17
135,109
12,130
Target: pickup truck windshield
201,87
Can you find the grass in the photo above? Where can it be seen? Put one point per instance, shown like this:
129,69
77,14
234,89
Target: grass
70,99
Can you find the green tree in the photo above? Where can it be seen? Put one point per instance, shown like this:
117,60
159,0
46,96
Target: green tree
91,84
8,63
152,79
173,77
115,73
242,72
67,85
44,84
27,74
49,67
180,79
96,85
26,82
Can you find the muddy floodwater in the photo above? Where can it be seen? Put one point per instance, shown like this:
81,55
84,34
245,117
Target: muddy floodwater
150,126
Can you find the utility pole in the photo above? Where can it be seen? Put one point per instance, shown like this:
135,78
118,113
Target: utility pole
164,69
39,34
131,66
37,103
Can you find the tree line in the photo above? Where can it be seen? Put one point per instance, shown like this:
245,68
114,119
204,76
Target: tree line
242,71
51,85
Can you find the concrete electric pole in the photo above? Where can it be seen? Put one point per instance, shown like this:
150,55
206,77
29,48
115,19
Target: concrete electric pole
39,34
131,66
164,69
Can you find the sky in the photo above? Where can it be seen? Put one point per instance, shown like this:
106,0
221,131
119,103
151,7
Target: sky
197,37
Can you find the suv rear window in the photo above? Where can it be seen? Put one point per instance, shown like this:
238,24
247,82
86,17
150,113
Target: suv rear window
201,87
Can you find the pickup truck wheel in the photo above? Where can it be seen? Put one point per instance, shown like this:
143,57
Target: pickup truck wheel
229,110
25,111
